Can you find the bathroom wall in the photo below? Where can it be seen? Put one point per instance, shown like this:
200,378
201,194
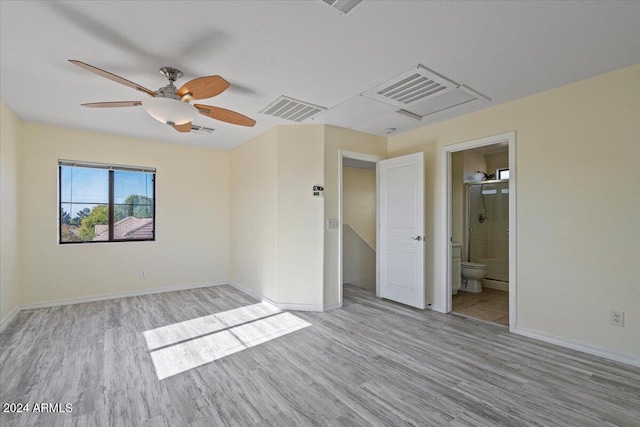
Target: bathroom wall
457,197
473,162
496,161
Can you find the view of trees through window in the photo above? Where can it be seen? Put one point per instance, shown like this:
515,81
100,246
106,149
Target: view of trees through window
100,204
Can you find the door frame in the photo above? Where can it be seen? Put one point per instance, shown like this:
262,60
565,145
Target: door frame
446,238
342,154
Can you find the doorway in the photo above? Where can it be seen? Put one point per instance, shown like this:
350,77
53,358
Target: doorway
357,231
479,213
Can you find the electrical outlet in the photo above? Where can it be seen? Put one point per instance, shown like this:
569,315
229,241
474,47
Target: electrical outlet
617,318
143,273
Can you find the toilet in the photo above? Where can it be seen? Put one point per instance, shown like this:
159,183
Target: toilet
472,274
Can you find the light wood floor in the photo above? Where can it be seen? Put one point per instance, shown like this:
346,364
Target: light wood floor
372,363
490,305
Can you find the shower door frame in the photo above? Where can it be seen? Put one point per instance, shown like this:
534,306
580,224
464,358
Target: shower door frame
445,241
467,218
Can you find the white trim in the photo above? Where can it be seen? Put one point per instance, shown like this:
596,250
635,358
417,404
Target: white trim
295,306
253,294
367,158
269,301
9,318
81,300
329,307
585,348
283,305
444,241
437,308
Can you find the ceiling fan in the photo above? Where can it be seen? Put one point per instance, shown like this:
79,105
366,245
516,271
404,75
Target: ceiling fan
171,105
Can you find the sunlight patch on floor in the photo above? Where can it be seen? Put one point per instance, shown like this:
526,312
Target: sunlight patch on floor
182,346
171,334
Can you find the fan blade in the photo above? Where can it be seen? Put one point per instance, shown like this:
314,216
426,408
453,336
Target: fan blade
225,115
203,87
113,104
113,77
183,128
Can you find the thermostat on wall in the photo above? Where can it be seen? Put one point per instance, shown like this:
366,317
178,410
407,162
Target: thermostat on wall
318,191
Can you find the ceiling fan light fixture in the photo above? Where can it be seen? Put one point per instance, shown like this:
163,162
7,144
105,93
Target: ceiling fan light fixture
170,111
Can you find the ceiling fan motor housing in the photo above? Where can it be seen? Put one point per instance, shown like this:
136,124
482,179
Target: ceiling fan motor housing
171,73
169,91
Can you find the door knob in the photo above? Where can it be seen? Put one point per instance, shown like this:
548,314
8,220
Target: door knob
419,238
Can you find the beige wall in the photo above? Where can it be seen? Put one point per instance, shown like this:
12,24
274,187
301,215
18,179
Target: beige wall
457,197
358,260
192,218
9,268
578,210
472,163
578,240
359,202
496,161
276,223
359,227
348,140
254,215
300,214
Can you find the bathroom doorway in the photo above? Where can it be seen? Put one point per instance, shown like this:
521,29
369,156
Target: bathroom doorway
480,217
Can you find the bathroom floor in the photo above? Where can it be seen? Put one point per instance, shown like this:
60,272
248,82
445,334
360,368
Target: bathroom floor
490,305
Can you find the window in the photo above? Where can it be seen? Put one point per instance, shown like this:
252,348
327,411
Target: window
105,203
503,173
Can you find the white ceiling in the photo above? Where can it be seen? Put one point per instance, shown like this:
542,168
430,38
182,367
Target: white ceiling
359,164
302,49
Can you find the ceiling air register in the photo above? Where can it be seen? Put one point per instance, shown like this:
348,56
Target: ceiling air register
420,92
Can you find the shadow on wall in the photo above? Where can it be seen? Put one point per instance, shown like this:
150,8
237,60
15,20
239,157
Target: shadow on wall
359,265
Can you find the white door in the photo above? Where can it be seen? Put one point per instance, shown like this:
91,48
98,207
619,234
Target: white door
401,226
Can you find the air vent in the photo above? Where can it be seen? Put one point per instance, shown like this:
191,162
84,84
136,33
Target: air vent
344,6
443,103
292,109
201,130
412,86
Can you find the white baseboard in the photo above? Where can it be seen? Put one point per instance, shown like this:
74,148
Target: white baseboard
282,305
300,307
436,307
245,290
329,307
585,348
55,303
9,318
296,306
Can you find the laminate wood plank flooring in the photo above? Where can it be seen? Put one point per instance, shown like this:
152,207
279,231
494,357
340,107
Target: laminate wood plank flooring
371,363
490,305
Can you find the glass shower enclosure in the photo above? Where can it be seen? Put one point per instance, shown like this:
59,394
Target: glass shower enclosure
488,226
